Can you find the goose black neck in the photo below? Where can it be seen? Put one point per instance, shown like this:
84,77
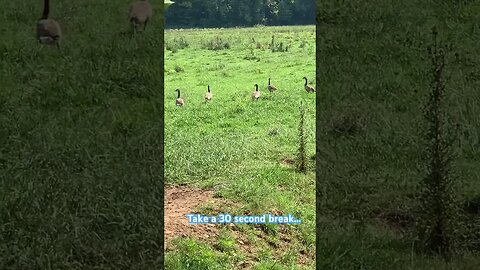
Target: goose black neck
46,9
268,81
209,89
178,90
305,80
256,87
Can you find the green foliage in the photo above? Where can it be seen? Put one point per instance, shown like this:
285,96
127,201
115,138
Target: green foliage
81,135
252,56
228,13
374,76
278,47
239,146
216,44
438,194
226,242
192,255
176,44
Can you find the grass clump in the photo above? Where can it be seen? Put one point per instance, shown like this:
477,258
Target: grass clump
252,56
279,47
216,44
177,44
226,242
193,255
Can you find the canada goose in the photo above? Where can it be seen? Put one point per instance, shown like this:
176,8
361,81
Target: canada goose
48,30
208,95
271,87
179,101
140,14
256,93
308,88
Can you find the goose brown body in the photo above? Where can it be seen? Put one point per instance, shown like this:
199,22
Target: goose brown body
256,94
308,88
140,13
48,30
179,101
271,87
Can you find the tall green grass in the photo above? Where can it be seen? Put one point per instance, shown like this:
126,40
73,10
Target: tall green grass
237,146
372,59
80,139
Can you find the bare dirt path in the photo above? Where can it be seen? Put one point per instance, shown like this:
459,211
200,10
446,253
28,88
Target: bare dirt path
181,200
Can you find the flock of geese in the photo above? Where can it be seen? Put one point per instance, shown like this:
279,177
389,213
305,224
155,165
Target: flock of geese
49,30
255,95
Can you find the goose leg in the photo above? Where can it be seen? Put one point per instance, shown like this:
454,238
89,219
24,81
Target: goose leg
134,30
145,25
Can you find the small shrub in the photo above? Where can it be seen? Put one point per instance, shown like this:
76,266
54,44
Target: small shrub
176,44
252,56
216,44
280,47
179,69
219,66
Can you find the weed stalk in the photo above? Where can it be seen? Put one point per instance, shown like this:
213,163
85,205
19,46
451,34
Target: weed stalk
301,155
438,196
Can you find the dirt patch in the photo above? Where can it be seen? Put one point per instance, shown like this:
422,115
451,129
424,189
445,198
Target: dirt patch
288,162
182,200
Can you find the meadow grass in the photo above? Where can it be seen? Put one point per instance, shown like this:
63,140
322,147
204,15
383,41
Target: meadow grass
373,82
238,146
80,139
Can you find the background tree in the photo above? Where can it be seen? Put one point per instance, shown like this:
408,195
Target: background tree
231,13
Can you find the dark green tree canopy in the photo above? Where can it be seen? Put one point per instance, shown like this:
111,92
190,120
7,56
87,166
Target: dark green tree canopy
231,13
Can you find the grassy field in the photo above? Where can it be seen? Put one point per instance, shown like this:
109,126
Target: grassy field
373,81
80,139
239,147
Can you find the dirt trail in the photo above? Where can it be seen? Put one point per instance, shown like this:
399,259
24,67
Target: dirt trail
180,201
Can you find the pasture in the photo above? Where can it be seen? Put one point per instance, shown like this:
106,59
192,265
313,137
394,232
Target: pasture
374,80
239,148
80,139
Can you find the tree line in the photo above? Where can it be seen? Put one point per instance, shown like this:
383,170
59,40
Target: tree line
231,13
